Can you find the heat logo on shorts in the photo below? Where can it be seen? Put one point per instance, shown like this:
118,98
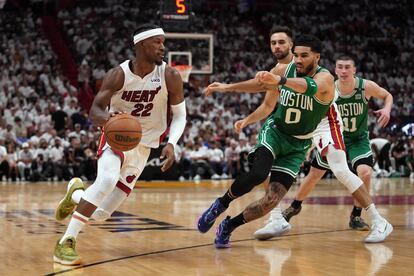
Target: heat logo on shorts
130,178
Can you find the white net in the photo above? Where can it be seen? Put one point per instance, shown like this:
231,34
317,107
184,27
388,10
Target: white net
184,70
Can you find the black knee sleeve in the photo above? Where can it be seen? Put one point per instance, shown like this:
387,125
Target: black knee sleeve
283,178
261,165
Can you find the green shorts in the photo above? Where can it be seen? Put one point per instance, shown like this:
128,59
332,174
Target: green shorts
289,152
358,150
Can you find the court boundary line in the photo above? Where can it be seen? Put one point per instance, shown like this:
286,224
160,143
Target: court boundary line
194,246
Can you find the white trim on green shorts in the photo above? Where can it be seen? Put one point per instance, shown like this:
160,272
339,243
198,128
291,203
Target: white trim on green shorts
285,170
264,142
322,162
365,155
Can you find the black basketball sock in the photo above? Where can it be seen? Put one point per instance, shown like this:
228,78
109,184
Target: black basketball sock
296,204
237,221
356,212
226,199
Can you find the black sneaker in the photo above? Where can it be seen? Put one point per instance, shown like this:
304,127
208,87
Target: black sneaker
357,223
290,212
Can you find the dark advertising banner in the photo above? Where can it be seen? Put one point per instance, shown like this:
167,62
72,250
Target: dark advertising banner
152,170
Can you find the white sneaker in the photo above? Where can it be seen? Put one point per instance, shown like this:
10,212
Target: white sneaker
197,178
274,227
181,178
224,176
379,231
215,176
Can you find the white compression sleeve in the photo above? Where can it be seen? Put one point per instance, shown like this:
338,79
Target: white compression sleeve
339,166
177,123
109,167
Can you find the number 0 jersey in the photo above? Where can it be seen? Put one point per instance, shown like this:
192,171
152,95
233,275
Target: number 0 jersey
145,98
297,114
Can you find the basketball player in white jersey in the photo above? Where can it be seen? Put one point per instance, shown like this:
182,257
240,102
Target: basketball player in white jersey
144,87
327,138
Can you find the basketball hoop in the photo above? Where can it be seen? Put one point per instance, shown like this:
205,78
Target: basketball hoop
184,70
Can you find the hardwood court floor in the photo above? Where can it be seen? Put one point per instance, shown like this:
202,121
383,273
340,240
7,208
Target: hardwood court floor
154,234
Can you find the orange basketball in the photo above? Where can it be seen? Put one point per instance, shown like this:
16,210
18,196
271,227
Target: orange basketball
123,132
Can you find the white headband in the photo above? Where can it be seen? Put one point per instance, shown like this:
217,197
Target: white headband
147,34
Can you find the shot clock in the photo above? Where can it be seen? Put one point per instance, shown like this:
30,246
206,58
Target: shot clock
175,15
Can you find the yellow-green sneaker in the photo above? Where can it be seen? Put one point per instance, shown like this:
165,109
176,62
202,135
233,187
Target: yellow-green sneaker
65,253
66,205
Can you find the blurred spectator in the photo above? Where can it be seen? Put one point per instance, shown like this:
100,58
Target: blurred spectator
201,168
381,149
232,155
57,159
24,162
410,162
399,152
59,118
40,169
20,129
4,164
216,159
12,160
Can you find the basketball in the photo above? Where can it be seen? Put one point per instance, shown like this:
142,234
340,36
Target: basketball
123,132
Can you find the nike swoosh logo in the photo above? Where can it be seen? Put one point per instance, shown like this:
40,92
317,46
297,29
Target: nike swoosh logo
285,226
383,231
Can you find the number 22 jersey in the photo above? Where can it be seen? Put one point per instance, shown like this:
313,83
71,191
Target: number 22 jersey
145,98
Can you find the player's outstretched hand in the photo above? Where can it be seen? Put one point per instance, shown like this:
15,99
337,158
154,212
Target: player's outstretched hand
384,117
215,87
240,124
267,80
167,152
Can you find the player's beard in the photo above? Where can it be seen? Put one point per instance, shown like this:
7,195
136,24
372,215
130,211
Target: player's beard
281,55
308,69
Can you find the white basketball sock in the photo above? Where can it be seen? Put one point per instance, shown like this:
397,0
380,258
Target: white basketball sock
77,195
276,213
373,213
75,226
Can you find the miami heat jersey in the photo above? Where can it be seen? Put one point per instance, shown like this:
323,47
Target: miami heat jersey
145,98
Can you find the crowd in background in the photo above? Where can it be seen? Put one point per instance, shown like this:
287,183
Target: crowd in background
45,133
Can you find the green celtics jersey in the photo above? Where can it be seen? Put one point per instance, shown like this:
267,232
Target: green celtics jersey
298,114
353,109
